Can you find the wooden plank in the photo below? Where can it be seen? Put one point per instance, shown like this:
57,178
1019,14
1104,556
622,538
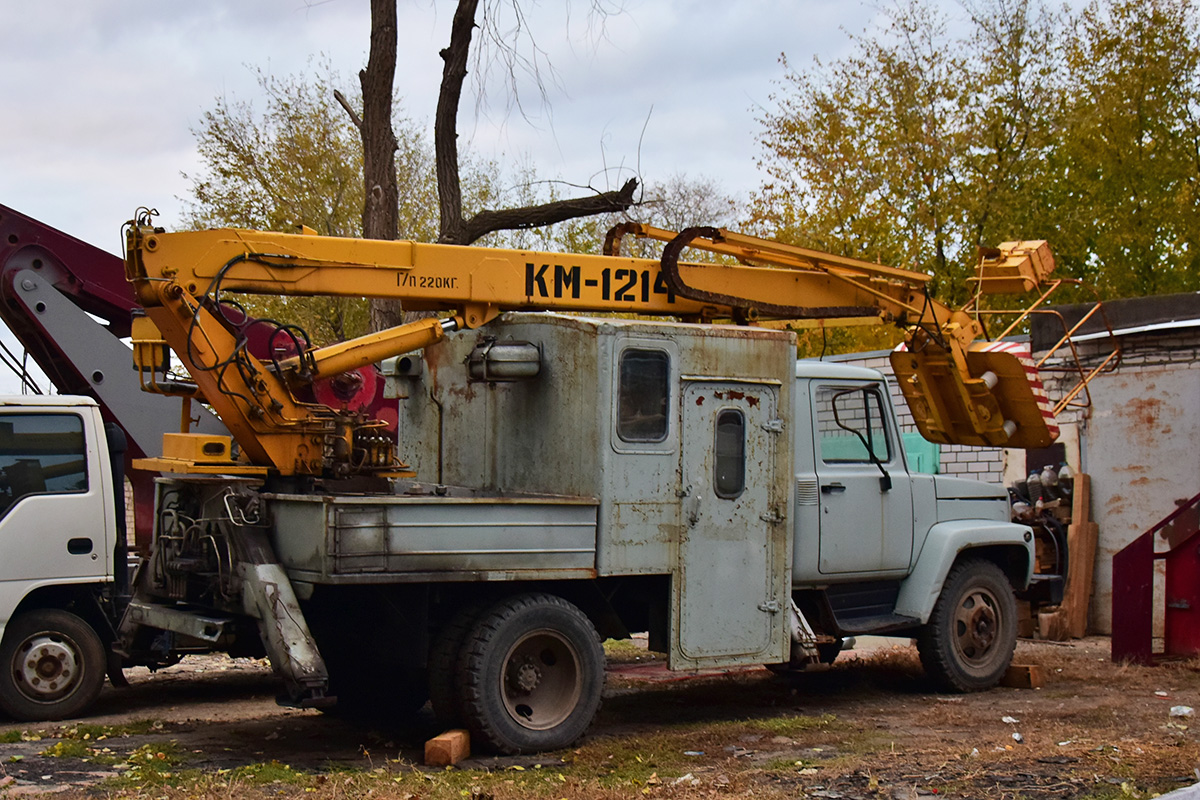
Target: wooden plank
1069,620
449,748
1081,544
1081,499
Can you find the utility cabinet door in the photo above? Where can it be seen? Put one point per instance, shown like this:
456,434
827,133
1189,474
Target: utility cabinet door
731,546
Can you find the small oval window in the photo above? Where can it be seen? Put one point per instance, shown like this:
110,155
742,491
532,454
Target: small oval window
730,449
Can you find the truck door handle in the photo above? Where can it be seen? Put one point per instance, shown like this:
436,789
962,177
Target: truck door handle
80,546
830,488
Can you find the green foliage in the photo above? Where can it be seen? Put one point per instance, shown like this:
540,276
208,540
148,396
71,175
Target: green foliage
921,146
298,161
1130,152
823,341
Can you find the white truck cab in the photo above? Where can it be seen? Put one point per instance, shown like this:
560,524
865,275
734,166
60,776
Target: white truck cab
58,532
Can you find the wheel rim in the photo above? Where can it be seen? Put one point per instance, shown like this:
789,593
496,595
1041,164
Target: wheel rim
977,627
541,681
47,666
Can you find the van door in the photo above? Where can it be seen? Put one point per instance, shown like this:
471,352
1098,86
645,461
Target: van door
866,525
731,547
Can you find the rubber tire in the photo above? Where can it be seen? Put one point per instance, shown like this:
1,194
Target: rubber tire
957,660
444,682
513,623
78,638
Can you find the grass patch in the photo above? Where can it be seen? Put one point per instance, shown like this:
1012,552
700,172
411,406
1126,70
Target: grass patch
632,762
66,748
1126,791
799,725
10,737
627,651
265,773
153,764
141,727
86,743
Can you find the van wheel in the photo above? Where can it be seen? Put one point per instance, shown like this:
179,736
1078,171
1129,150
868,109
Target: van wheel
969,640
531,672
54,666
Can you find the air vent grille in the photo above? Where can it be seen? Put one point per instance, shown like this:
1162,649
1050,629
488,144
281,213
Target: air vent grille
807,493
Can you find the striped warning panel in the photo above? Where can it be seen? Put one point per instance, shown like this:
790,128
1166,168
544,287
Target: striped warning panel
1022,353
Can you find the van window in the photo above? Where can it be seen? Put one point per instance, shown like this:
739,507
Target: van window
40,454
643,395
730,451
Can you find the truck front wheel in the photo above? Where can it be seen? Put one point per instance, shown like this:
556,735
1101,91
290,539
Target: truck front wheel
969,640
53,663
531,672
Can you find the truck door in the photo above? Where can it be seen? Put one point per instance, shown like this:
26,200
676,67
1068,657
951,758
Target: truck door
866,526
731,552
53,503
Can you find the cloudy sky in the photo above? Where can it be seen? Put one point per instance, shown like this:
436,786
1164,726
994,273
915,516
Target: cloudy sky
101,95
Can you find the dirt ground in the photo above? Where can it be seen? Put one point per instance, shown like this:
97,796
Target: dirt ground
869,727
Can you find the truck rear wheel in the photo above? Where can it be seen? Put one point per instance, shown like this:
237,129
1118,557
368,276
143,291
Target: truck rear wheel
969,640
531,672
444,655
54,666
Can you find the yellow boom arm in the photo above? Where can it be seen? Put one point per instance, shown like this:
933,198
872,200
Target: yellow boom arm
180,278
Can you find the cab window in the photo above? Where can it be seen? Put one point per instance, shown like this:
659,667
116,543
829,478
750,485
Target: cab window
852,425
40,454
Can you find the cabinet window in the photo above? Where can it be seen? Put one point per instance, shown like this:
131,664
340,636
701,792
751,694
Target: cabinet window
40,454
643,396
852,425
730,450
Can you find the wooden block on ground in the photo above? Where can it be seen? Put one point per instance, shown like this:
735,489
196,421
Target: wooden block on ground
1023,676
1024,620
1052,625
449,748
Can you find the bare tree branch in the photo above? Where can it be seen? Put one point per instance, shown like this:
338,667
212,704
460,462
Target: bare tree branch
454,229
354,117
486,222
